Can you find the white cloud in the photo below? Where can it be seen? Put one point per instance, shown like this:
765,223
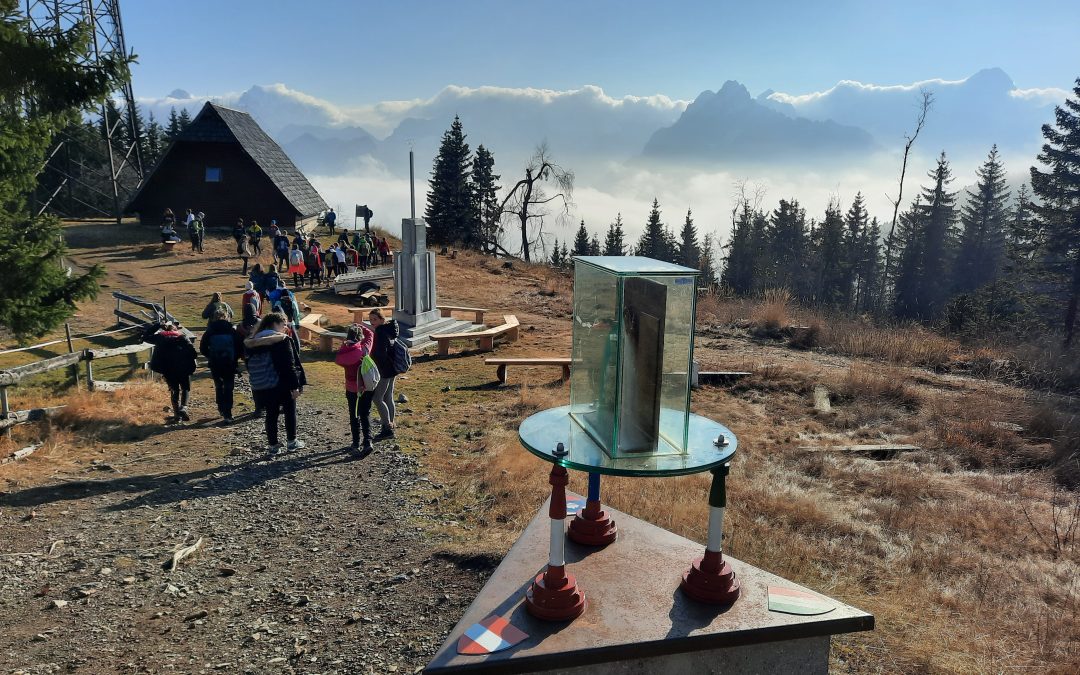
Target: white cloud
1045,95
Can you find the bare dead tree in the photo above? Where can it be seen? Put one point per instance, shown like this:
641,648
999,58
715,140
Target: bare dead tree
924,107
527,200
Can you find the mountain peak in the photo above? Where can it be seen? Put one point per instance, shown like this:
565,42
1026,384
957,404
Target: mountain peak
179,94
992,79
733,91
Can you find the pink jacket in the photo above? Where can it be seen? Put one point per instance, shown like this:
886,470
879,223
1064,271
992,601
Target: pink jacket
351,354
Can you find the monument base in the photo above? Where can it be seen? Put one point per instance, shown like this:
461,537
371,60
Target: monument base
637,619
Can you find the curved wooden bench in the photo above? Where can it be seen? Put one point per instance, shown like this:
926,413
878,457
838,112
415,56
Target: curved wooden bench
445,311
502,364
485,339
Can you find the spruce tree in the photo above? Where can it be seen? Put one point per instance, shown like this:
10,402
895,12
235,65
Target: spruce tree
155,142
594,246
487,232
556,259
689,251
172,129
939,241
614,241
1059,208
581,241
740,263
707,262
565,255
652,243
907,242
36,293
788,249
855,224
449,211
184,120
829,260
136,123
868,263
981,253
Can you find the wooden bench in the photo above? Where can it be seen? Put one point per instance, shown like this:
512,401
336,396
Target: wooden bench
169,245
502,364
445,311
485,339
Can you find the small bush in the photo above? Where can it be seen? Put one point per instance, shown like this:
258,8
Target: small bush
773,313
889,385
807,337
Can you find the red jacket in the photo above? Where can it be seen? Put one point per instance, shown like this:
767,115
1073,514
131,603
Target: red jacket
351,354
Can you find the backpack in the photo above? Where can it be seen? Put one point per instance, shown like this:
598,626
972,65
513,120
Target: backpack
221,350
400,357
369,373
296,257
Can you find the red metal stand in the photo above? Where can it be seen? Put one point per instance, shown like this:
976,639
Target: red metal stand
592,526
710,579
554,594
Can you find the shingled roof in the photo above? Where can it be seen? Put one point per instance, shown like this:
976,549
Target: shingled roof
218,124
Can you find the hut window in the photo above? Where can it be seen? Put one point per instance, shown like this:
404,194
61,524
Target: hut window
213,174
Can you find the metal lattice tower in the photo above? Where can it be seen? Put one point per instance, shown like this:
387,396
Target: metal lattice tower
91,172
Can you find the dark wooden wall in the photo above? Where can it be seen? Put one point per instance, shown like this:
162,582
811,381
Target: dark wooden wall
244,191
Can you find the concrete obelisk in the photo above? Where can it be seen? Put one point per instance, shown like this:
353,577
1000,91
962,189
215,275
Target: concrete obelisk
414,275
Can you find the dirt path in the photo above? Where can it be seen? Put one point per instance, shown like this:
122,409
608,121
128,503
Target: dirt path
311,562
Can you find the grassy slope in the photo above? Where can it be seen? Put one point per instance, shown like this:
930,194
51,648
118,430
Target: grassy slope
951,547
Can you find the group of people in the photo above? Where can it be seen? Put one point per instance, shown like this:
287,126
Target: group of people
193,222
371,356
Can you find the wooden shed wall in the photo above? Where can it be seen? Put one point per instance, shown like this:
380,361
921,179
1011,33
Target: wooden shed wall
244,191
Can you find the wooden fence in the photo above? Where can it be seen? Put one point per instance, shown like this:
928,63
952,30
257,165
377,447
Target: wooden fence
11,377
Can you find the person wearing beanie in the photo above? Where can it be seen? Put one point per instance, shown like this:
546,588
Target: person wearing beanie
357,345
174,359
252,297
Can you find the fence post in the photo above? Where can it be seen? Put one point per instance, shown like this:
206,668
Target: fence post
4,409
89,374
71,350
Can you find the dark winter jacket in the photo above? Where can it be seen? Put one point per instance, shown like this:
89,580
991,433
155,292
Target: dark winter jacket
250,318
274,362
215,345
383,351
174,355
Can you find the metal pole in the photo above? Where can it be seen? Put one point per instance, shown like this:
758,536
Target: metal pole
412,188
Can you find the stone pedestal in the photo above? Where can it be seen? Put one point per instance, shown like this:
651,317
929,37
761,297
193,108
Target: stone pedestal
414,277
637,620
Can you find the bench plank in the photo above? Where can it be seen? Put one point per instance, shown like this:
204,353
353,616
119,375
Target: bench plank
485,338
502,364
445,311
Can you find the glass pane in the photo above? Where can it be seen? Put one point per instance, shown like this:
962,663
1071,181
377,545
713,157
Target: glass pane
593,378
678,348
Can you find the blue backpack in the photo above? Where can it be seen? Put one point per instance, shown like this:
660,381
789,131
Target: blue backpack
222,350
399,355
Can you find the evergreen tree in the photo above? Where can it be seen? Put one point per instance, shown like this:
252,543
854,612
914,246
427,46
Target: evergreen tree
981,253
565,255
689,251
829,260
142,140
741,260
449,210
855,225
594,246
36,293
1059,208
707,262
908,244
487,232
184,120
1026,234
581,241
614,241
652,244
868,264
173,129
556,259
788,249
155,142
114,120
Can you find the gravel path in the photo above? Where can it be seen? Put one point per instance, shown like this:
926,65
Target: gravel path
312,562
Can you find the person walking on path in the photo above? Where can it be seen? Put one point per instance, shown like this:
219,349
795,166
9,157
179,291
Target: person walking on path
252,296
216,303
272,231
283,300
364,250
331,220
277,378
357,345
257,277
239,233
339,255
174,359
271,280
249,314
223,346
281,249
255,234
314,264
296,265
386,335
194,231
245,253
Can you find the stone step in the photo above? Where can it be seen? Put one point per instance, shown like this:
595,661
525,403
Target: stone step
421,336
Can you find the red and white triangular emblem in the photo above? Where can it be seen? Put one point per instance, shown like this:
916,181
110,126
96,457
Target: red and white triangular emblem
493,634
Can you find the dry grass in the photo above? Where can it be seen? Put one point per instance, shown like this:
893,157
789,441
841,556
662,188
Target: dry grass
772,314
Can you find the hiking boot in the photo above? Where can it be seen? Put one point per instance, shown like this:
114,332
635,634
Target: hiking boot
355,447
227,420
384,434
367,446
273,450
295,444
184,415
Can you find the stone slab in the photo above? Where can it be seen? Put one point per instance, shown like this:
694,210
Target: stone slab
635,612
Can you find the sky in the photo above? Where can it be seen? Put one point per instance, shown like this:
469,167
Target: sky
356,52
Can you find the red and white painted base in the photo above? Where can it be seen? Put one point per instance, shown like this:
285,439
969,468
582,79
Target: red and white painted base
554,594
710,579
592,526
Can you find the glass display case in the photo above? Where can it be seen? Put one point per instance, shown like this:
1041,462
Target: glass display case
633,339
